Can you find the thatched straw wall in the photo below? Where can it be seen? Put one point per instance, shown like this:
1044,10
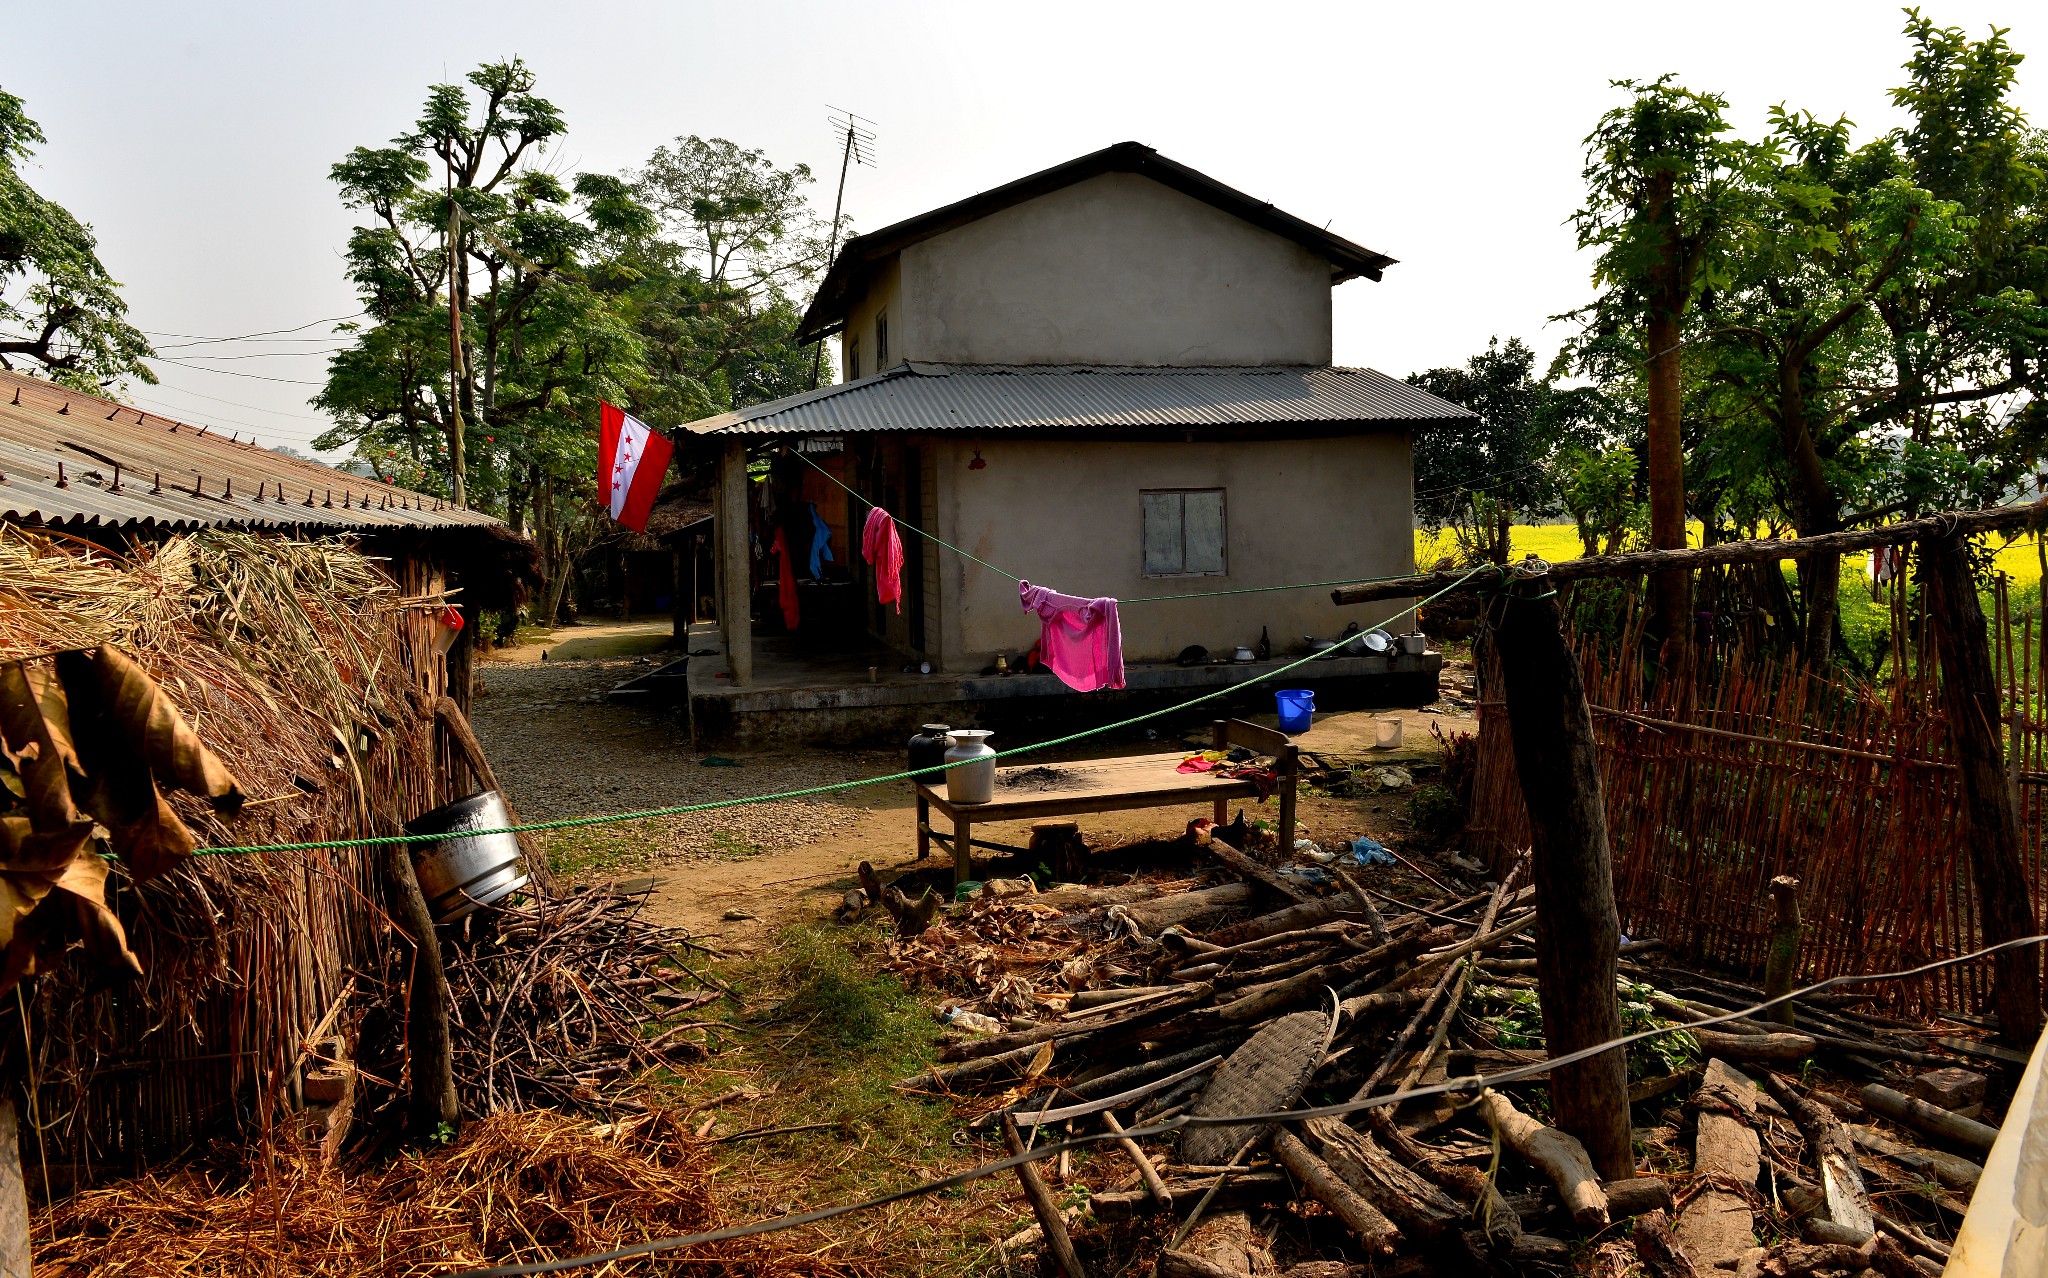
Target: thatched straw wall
305,666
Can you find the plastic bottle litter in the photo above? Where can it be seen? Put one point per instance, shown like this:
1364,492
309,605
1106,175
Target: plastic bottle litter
972,1022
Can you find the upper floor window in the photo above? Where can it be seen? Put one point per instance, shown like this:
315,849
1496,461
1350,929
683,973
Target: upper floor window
853,359
1184,532
881,340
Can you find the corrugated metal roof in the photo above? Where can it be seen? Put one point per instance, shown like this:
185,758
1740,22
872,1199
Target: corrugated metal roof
175,474
987,397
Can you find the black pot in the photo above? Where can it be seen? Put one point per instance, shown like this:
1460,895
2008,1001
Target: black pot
928,751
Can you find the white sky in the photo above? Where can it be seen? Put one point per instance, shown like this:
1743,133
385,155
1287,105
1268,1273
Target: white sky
196,137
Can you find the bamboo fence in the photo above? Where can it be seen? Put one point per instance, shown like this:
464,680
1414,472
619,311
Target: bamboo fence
1740,768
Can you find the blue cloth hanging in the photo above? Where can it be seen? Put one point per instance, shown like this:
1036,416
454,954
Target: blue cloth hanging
821,544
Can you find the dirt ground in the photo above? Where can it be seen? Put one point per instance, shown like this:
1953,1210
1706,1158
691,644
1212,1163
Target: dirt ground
737,874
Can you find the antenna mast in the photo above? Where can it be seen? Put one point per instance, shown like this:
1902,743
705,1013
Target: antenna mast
857,147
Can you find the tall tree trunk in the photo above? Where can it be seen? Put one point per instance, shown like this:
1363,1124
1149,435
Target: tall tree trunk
1671,592
1969,690
1816,511
1578,931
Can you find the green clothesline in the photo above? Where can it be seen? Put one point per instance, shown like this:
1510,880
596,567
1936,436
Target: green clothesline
569,823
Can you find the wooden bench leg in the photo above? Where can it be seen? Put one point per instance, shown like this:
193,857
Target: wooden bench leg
1290,773
924,827
1219,739
963,852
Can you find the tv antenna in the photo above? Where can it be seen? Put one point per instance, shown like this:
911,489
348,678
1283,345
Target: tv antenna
857,146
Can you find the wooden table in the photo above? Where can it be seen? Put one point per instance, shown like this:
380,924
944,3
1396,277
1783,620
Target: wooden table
1109,785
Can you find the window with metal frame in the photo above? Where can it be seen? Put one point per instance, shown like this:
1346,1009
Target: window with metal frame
881,340
1184,532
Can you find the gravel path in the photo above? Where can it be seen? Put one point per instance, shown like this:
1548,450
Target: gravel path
561,750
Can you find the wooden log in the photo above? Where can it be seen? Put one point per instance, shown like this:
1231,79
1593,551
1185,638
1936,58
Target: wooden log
1487,1206
463,738
1185,1264
1578,935
1099,1019
1251,871
1947,1169
1364,902
1044,1207
1087,1000
1956,524
1375,1232
1846,1199
1558,1155
1150,1173
1244,1190
1918,1242
1660,1253
1626,1198
1283,995
1161,912
1781,962
1931,1119
1991,815
433,1104
1756,1047
1420,1209
15,1253
1098,1105
1292,919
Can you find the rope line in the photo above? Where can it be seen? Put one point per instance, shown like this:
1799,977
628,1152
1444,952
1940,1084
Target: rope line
1121,603
712,805
1469,1084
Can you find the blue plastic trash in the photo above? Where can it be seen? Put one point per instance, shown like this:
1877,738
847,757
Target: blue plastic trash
1368,851
1297,710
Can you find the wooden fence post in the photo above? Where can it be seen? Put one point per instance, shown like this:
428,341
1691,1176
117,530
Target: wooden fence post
1991,815
430,1053
1578,932
14,1220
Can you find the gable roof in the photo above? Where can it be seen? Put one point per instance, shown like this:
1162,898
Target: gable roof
60,450
859,256
1092,400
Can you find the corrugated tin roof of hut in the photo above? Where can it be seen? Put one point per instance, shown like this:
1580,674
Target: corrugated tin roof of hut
60,450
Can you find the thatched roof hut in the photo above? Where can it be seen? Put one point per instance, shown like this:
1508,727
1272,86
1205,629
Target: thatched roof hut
299,639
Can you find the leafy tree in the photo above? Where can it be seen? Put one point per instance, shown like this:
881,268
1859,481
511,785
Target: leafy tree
58,306
723,277
1660,174
506,419
1508,456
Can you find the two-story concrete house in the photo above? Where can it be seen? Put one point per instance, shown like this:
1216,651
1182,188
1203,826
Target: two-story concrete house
1112,378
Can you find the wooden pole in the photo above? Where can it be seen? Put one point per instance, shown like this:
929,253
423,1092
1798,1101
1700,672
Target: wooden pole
430,1052
1578,932
15,1253
736,582
1961,523
1044,1206
1781,962
1991,814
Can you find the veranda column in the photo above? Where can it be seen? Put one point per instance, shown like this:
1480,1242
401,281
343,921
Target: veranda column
736,580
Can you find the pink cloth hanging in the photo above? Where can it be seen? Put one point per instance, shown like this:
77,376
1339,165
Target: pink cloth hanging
880,546
1082,640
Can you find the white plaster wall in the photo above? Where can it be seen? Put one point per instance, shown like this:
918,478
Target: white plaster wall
1065,514
883,296
1114,270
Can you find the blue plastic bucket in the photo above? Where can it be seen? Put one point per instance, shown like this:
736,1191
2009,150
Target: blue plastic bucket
1297,710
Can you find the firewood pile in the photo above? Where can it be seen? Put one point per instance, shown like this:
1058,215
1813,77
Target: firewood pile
563,1003
1105,1009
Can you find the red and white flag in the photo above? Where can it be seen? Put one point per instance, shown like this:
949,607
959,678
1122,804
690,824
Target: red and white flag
632,458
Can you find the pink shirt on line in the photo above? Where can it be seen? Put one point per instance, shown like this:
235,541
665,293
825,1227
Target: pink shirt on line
880,546
1081,639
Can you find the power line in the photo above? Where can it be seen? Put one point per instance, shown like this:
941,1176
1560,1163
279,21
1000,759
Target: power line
264,354
229,372
1470,1084
254,408
275,332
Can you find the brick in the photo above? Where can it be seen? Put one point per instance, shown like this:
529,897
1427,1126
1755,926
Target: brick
1951,1088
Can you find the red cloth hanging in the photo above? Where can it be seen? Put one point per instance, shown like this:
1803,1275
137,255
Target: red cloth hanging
785,582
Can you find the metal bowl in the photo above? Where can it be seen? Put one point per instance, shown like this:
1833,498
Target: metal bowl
1378,641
